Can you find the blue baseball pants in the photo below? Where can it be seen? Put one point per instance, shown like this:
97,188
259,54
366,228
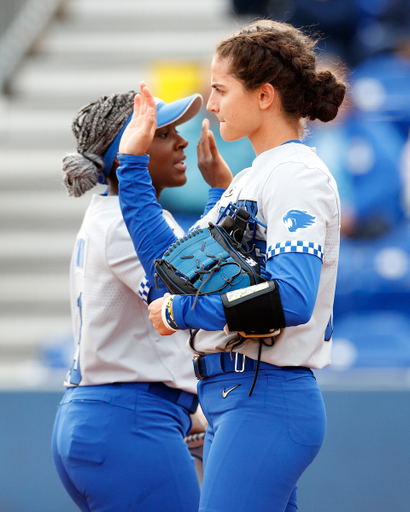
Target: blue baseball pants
256,448
121,448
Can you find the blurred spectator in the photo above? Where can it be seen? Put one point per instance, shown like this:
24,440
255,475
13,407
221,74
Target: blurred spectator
381,87
381,26
363,154
405,174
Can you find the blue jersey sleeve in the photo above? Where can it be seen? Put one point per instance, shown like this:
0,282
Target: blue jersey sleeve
297,276
149,231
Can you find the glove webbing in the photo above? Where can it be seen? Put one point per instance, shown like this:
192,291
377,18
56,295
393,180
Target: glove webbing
209,273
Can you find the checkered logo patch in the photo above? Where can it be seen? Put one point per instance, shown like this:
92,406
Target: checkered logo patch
295,246
143,290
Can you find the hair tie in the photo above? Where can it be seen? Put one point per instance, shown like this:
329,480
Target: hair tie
99,163
97,160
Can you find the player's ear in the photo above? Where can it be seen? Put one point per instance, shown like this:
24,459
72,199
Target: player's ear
266,96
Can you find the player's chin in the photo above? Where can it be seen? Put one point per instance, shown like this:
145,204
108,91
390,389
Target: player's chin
178,180
227,134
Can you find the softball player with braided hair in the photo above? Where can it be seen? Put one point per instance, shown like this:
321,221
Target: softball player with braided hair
118,440
262,435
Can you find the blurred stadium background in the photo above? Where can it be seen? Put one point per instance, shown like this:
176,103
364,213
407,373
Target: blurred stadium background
57,55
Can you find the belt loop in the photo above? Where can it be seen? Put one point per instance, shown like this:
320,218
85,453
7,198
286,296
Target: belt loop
196,361
236,363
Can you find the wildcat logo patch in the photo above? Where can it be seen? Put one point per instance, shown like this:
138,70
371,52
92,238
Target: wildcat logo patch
297,219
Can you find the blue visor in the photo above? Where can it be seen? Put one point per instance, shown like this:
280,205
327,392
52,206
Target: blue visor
178,111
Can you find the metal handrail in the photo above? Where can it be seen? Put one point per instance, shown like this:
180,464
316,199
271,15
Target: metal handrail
19,37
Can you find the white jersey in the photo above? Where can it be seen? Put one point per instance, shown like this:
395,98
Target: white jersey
292,192
115,341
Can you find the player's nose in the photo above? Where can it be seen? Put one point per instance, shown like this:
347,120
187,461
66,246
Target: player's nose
211,105
181,142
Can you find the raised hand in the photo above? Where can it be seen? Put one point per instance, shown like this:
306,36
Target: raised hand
139,133
213,167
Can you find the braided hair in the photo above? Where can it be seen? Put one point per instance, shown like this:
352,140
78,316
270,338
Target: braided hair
95,127
272,52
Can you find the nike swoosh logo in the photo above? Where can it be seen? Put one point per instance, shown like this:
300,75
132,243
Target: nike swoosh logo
226,393
229,193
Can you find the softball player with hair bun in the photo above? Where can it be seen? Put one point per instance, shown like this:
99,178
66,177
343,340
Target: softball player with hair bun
118,440
262,434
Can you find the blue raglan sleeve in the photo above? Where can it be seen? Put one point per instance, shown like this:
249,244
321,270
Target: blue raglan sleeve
297,276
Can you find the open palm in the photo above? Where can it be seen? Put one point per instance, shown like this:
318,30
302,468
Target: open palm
139,133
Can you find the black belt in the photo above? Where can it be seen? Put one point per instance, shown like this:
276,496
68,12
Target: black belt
225,362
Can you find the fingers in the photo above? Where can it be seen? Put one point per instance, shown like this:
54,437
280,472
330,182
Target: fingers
150,119
205,126
207,147
148,108
203,144
212,144
148,99
140,106
204,131
137,106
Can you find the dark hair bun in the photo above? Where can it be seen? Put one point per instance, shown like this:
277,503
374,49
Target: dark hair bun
328,94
